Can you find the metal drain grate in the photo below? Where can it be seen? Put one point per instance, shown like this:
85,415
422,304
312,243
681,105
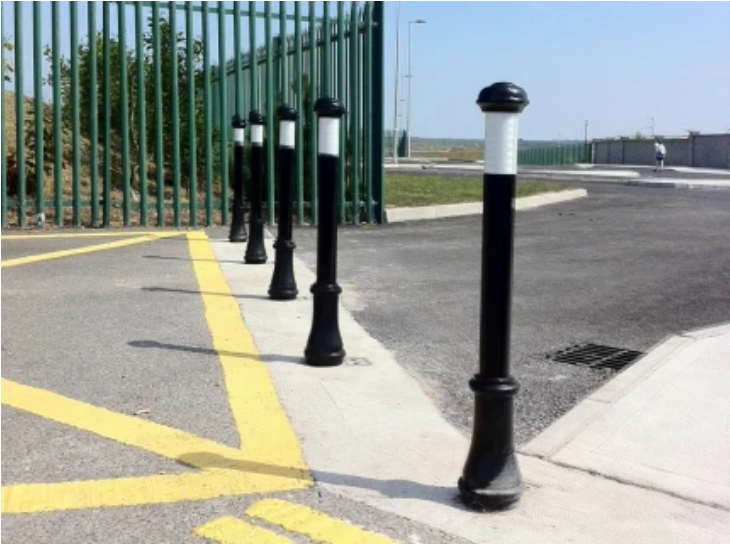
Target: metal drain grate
596,356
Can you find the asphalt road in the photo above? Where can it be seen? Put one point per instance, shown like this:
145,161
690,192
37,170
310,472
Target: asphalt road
625,268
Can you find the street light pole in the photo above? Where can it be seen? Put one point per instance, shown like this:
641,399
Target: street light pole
410,84
397,80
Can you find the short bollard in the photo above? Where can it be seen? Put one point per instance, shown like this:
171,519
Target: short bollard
256,250
283,285
491,479
324,347
238,226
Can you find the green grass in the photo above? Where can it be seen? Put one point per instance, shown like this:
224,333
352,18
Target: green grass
405,191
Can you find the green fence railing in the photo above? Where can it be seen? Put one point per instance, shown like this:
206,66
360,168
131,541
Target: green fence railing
555,155
125,116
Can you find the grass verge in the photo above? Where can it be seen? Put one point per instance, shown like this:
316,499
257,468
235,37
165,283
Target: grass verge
405,191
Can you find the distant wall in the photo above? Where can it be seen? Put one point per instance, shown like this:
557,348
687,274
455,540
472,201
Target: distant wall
699,150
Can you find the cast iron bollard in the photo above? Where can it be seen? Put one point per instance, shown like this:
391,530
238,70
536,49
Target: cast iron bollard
324,347
491,478
238,227
256,250
283,285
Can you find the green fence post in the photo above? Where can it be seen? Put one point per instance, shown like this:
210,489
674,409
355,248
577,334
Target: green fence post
94,108
253,65
106,93
121,12
313,95
39,112
75,119
237,60
378,110
342,96
299,127
354,111
208,119
175,82
192,118
159,140
326,51
19,115
283,65
4,151
224,113
141,114
57,122
269,138
368,110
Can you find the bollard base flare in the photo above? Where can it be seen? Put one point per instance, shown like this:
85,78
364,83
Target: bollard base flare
491,479
324,346
503,490
256,250
283,285
237,234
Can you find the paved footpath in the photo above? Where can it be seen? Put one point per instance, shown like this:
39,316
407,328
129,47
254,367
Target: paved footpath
152,393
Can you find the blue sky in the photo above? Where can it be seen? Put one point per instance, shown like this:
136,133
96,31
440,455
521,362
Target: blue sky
617,64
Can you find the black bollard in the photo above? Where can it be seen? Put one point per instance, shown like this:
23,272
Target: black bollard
491,479
324,347
238,226
283,285
256,250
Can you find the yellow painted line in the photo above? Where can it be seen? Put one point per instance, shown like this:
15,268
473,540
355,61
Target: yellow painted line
87,249
317,526
263,426
160,489
229,530
84,235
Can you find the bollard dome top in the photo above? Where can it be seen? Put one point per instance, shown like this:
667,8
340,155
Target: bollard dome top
237,122
255,117
503,97
286,113
329,107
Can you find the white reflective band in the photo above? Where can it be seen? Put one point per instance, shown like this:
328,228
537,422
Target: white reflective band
257,134
238,135
286,134
329,136
500,143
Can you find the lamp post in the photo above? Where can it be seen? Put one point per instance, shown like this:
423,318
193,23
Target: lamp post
238,227
324,346
256,250
491,477
410,85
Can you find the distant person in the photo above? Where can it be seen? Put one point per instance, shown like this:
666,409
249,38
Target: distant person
660,152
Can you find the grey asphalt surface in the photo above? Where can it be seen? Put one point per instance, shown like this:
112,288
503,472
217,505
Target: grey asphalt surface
625,267
124,329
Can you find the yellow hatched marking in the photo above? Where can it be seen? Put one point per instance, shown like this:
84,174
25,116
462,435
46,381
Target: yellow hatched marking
87,249
265,431
229,530
270,458
315,525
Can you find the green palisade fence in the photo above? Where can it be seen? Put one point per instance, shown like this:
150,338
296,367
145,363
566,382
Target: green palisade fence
555,155
125,118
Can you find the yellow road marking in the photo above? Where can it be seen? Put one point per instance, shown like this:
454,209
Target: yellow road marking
83,235
317,526
86,249
229,530
161,489
269,460
265,431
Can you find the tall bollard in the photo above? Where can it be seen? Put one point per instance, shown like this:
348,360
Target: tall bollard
491,478
238,226
283,285
256,250
324,347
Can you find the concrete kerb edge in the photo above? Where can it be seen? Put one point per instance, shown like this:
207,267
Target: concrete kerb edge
562,432
397,215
